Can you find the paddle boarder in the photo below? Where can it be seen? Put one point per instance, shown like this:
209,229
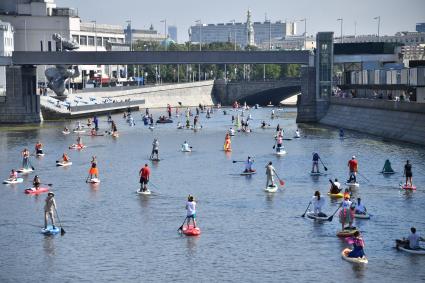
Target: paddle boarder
360,208
227,143
318,202
270,172
412,241
353,168
13,175
65,158
49,207
93,168
185,146
36,182
79,141
38,148
315,165
358,244
346,214
25,158
248,165
387,167
96,122
191,210
335,186
155,148
408,172
144,174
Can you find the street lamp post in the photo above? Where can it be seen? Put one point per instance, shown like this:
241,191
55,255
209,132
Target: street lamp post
379,23
131,35
341,20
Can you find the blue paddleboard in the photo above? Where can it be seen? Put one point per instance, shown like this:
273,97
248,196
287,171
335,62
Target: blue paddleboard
50,230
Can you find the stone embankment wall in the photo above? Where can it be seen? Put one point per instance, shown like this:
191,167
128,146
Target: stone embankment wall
403,121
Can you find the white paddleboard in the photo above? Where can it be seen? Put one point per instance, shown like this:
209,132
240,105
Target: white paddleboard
314,216
362,260
270,189
17,181
147,192
66,133
353,185
420,251
69,163
39,154
79,131
281,152
23,170
94,181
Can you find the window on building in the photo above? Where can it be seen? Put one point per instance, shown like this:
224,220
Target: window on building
90,41
83,40
75,38
113,39
105,40
120,40
99,41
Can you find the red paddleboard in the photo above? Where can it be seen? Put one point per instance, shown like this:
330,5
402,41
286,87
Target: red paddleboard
190,231
408,187
33,191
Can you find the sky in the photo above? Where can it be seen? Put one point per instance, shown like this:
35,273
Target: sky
321,15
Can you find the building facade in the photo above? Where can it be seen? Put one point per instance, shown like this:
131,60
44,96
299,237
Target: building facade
172,33
148,35
6,49
420,27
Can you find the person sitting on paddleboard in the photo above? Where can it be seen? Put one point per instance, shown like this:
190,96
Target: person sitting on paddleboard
191,211
13,175
335,186
387,167
318,202
358,245
360,208
65,158
270,171
66,130
36,182
185,146
94,171
316,158
144,174
49,206
408,172
155,149
346,215
412,241
353,168
25,158
38,148
248,165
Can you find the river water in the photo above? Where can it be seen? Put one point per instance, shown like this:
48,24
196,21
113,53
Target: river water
113,234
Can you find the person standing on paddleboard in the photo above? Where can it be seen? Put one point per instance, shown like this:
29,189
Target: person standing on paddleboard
248,165
408,172
94,171
318,202
96,122
49,207
79,141
270,171
353,168
144,174
155,148
38,148
25,158
191,211
346,215
316,158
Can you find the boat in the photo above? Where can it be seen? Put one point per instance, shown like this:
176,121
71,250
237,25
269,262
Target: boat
338,195
345,252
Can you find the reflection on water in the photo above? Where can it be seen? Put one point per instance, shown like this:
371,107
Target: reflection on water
49,246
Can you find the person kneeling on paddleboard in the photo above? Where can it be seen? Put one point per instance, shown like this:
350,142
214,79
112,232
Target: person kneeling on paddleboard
144,174
270,171
50,205
191,211
360,208
65,158
358,245
408,172
412,241
335,187
346,215
38,148
318,203
36,182
13,175
248,165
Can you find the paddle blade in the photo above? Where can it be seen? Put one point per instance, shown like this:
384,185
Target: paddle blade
326,169
274,147
62,231
330,218
282,183
180,229
234,161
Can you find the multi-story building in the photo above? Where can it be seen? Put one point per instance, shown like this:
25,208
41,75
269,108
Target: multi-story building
172,33
420,27
228,32
147,35
6,49
294,42
406,38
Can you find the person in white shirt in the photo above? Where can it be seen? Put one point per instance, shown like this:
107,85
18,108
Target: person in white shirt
191,210
412,241
318,203
185,146
270,171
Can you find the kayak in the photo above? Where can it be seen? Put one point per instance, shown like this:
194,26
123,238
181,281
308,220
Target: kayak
64,164
25,170
404,187
347,232
94,181
147,192
33,191
353,185
66,133
362,216
316,174
345,256
271,189
18,180
50,230
248,173
314,216
191,231
76,146
338,195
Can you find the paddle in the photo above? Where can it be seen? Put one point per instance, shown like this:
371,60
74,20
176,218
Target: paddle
87,179
306,209
181,227
32,167
274,146
60,223
363,176
234,161
332,216
46,184
281,182
326,169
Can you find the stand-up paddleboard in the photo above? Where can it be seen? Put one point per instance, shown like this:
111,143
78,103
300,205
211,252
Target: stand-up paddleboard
248,173
94,181
66,133
404,187
280,151
191,231
271,189
316,174
25,170
420,251
155,159
314,216
186,150
33,191
79,131
39,154
116,135
387,173
347,232
362,216
76,146
147,192
338,195
64,164
50,230
352,185
17,181
345,256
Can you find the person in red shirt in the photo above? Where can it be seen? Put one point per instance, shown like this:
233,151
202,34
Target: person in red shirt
144,174
353,166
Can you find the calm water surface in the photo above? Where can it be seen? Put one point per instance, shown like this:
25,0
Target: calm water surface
113,234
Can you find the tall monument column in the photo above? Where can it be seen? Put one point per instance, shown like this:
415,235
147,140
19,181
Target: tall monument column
21,104
249,29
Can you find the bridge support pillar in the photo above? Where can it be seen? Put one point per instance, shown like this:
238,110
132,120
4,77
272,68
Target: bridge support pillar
21,103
